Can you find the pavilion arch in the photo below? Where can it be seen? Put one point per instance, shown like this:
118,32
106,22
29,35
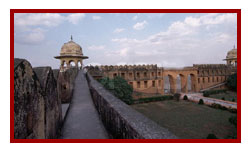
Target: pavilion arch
79,64
72,63
64,64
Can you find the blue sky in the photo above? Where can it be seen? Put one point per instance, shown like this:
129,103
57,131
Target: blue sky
169,40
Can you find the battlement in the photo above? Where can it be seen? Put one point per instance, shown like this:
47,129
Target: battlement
211,66
126,67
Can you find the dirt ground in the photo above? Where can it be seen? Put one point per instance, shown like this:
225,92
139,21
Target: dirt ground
189,120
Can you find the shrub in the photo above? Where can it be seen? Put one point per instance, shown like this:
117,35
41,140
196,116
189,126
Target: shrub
218,106
233,120
211,136
185,97
232,110
205,94
201,102
177,96
155,98
223,98
232,82
211,92
233,100
119,87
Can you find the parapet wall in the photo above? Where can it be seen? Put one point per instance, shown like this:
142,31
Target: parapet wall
37,109
122,121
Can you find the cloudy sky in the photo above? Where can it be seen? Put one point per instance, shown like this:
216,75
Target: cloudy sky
169,40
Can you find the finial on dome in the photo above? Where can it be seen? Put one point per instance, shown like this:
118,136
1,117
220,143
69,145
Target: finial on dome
71,38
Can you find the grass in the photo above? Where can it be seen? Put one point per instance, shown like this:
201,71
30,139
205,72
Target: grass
189,120
229,95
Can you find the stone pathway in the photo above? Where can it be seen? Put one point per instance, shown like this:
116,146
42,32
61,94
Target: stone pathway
207,100
82,121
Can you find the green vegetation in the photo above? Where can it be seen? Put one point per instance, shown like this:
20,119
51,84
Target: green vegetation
177,96
211,92
185,97
201,102
119,87
221,94
233,120
211,136
232,82
218,106
188,120
228,96
153,99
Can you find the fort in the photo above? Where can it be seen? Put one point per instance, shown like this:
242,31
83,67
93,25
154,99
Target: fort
68,102
150,80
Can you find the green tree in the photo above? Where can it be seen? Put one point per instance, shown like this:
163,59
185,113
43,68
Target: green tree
233,120
201,102
232,82
118,87
211,136
185,97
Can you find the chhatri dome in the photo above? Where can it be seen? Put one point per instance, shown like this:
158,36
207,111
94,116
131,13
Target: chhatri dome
71,55
232,57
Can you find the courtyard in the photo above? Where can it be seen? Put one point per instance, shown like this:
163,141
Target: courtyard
189,120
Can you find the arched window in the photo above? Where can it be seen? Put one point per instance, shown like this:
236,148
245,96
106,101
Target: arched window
72,63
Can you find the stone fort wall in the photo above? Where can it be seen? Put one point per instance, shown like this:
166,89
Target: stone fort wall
122,121
150,80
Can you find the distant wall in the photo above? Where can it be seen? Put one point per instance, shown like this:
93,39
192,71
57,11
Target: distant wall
122,121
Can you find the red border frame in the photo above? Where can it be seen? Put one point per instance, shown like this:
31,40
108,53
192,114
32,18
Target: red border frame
12,11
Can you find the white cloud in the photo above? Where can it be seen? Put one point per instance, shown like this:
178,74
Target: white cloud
45,19
140,25
118,30
96,17
95,47
124,52
75,18
30,28
181,42
35,36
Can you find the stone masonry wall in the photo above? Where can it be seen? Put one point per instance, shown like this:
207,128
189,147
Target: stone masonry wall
37,109
29,107
65,84
122,121
53,109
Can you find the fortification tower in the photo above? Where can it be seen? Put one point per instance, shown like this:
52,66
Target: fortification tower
232,57
71,55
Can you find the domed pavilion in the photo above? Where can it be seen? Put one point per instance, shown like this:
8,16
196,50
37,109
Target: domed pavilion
232,57
71,55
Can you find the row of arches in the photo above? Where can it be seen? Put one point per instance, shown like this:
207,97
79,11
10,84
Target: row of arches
180,83
71,63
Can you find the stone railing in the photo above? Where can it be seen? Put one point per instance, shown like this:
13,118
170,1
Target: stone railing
122,121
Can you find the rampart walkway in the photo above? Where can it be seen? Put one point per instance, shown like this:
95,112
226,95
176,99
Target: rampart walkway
207,100
82,121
